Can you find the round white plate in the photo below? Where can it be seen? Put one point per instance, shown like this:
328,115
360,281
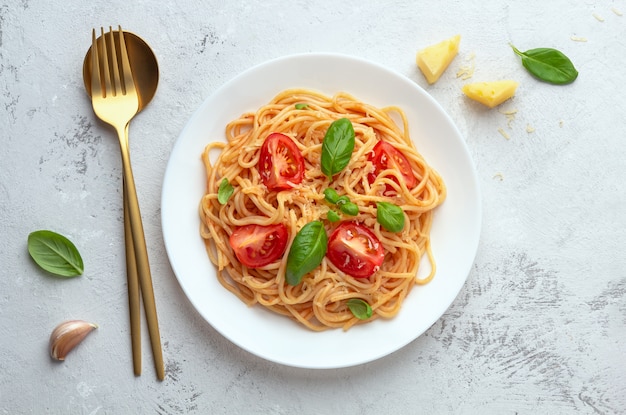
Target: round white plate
455,231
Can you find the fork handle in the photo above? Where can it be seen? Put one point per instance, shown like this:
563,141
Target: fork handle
134,299
141,255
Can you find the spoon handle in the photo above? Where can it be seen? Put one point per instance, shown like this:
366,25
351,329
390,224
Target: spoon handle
141,255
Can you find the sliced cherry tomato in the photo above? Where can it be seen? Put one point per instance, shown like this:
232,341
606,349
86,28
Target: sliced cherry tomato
385,156
281,164
355,250
256,245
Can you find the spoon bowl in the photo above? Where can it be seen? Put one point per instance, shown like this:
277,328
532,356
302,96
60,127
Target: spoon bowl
142,60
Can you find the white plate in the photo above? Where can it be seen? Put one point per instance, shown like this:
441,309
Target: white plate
455,231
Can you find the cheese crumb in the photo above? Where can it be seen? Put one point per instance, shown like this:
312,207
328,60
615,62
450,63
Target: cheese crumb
578,38
467,71
510,116
561,122
598,17
498,176
530,129
617,12
504,133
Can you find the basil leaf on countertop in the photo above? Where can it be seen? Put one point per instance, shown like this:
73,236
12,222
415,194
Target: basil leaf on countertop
359,308
390,216
55,253
548,65
307,251
337,147
225,191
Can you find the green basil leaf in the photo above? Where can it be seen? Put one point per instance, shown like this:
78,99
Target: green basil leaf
337,147
350,208
55,253
359,308
390,216
548,65
342,200
307,251
331,195
302,106
225,191
333,216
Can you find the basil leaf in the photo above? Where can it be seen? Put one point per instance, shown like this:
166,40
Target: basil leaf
333,216
55,253
350,208
342,200
225,191
390,216
359,308
331,195
307,251
337,147
302,106
548,65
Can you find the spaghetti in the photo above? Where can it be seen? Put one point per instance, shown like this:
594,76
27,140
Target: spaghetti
319,301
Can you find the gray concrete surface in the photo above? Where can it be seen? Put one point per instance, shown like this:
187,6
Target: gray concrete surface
540,326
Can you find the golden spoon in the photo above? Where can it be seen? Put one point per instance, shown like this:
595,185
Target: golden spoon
143,63
146,76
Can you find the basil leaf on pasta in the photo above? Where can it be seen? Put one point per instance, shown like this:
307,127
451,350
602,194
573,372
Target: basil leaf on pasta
225,191
359,308
333,216
55,253
390,216
342,200
349,208
337,147
331,195
307,251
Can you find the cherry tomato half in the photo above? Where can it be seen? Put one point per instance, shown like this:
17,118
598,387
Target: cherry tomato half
256,245
385,156
355,250
281,164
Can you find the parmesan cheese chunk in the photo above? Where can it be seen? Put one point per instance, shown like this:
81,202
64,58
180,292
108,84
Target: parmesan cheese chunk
491,94
434,60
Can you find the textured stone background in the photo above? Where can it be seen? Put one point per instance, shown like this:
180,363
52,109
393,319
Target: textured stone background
540,326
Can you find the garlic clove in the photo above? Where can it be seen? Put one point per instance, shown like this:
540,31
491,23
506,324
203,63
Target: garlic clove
67,335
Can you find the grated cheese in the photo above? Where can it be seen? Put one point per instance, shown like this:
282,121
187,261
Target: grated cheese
578,38
598,17
467,71
561,122
530,129
617,12
498,176
504,133
510,116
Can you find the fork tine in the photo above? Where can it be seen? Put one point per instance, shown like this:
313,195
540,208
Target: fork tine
129,83
106,73
96,83
115,80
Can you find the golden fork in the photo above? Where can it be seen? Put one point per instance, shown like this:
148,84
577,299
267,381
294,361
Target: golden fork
115,101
